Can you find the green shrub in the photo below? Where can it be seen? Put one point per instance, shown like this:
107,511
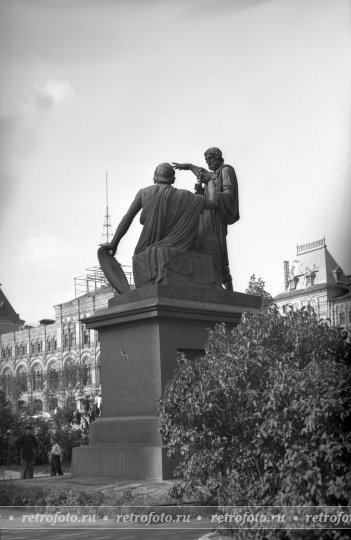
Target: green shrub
263,418
67,436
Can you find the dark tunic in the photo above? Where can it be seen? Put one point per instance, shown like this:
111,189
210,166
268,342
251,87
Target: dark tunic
28,445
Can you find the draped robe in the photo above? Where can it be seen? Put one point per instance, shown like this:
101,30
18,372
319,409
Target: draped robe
170,222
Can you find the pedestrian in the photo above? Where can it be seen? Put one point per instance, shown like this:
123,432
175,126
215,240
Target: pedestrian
98,403
78,417
55,455
86,405
28,445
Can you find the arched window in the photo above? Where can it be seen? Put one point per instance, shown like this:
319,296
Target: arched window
37,378
66,340
6,380
39,346
22,379
49,344
37,406
72,337
86,337
54,343
53,376
53,403
21,405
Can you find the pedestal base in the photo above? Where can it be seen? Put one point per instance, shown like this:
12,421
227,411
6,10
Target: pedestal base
140,334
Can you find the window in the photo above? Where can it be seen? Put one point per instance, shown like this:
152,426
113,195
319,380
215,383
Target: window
21,405
53,404
37,406
22,380
53,377
7,376
86,337
342,318
66,341
54,343
293,283
37,378
72,340
49,344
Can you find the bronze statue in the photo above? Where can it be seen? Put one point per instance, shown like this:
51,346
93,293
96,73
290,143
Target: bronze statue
170,220
214,221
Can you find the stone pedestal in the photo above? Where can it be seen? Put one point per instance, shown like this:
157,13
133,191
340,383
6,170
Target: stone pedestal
140,334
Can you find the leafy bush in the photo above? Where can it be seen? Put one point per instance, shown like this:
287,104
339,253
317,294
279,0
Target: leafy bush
67,436
263,418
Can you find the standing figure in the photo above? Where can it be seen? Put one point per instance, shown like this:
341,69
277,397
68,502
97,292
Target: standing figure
214,221
86,403
28,445
55,456
98,403
78,417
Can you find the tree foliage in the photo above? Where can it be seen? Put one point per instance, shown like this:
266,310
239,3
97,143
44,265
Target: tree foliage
67,436
256,287
13,386
263,418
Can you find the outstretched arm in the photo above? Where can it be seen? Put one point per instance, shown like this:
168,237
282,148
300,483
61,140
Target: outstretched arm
124,224
199,172
187,167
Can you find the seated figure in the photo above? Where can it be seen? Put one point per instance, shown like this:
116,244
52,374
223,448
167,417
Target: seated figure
170,219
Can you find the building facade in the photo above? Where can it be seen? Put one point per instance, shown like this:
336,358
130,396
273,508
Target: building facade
314,278
36,354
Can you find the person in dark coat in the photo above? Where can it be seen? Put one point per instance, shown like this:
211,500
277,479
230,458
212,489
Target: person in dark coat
28,445
78,417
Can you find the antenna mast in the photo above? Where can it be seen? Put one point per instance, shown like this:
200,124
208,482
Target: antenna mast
107,232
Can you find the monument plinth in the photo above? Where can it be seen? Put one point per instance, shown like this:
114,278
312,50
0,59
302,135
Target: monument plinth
140,334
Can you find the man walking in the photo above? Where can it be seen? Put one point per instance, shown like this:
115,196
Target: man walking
28,445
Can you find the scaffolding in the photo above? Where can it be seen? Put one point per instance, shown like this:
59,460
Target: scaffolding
95,279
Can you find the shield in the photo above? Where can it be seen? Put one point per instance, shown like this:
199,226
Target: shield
113,271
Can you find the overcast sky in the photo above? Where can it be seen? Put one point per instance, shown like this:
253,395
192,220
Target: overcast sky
122,85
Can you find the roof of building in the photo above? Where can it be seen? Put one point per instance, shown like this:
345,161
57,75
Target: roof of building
313,269
9,319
